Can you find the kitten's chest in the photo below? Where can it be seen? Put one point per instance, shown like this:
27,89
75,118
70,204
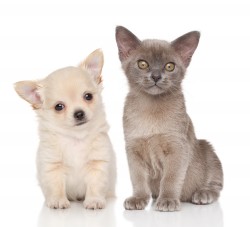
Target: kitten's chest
145,121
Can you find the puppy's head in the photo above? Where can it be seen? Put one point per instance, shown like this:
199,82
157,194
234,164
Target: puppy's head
69,97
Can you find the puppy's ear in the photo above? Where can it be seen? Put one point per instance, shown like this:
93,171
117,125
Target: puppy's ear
93,64
28,90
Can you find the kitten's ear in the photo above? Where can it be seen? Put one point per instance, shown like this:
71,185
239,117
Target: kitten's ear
186,45
28,90
93,64
126,42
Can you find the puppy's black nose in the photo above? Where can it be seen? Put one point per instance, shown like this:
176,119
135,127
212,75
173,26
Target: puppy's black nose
79,115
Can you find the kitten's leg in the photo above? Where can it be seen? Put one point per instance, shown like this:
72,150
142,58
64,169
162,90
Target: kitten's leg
210,191
52,182
154,187
136,160
174,155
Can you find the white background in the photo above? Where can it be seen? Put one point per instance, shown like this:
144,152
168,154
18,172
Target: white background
40,36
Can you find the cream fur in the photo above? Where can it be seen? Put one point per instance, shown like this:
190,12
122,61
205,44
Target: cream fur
74,162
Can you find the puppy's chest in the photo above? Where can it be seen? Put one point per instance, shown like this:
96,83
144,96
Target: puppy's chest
74,154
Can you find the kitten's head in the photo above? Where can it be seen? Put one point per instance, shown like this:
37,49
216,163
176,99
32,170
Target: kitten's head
155,66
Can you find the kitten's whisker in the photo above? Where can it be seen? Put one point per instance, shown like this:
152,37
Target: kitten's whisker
140,87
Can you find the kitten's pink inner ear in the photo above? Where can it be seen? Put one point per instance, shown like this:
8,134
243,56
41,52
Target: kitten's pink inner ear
126,42
186,45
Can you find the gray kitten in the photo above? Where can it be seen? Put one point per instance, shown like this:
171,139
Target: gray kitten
165,159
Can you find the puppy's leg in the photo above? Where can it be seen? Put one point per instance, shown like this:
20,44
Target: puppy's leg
97,184
136,154
98,173
52,182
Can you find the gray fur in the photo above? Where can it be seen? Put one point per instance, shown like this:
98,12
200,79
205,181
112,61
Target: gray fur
166,160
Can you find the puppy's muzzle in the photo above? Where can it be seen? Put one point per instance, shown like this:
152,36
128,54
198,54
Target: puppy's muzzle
79,117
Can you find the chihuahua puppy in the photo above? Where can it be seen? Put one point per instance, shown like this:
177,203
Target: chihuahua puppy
75,159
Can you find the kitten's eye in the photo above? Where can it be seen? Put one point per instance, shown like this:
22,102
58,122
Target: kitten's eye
170,66
142,64
88,96
59,107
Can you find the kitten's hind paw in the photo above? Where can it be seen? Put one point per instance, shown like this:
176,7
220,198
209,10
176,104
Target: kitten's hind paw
165,204
135,203
203,197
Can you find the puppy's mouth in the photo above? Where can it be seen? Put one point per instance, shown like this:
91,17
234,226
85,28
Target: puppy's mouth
80,123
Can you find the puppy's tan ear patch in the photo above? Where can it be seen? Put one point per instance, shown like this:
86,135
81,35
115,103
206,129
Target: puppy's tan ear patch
93,64
28,90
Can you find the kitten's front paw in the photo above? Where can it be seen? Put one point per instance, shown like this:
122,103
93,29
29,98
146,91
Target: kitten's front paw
94,203
165,204
58,203
203,197
135,203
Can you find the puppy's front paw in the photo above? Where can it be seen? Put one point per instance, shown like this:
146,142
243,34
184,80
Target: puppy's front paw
60,203
94,203
135,203
165,204
203,197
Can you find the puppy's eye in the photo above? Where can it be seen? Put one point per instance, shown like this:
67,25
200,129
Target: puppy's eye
59,107
170,66
142,64
88,96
